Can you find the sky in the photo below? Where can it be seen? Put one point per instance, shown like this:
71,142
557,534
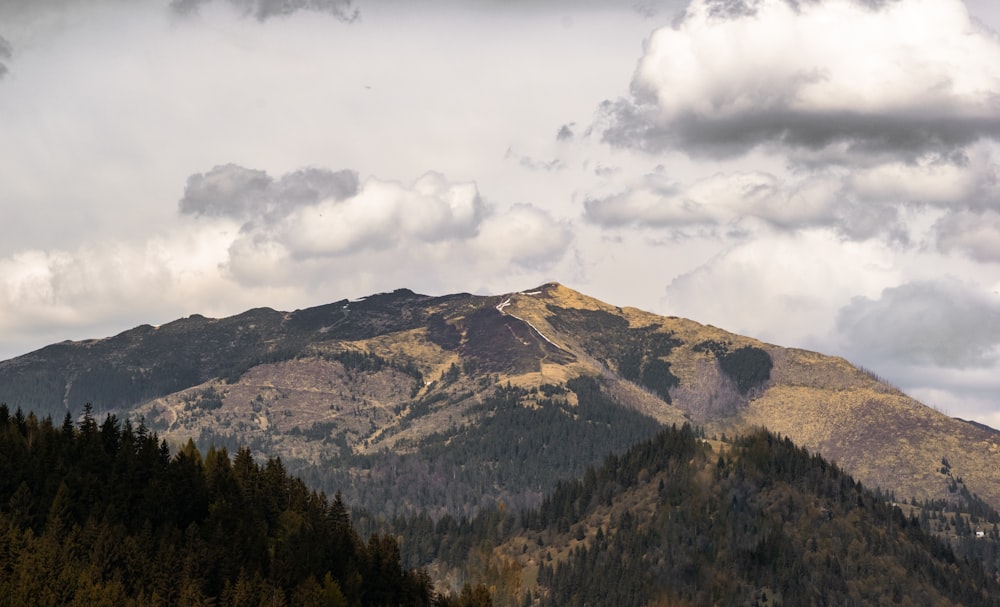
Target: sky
823,174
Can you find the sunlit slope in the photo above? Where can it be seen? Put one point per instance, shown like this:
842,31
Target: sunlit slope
353,384
880,435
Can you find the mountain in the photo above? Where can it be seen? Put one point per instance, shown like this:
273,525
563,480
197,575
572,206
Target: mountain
409,402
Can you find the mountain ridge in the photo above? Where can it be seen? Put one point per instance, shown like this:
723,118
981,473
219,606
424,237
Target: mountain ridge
402,374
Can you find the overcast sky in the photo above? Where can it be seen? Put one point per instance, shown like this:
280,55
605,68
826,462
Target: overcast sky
815,173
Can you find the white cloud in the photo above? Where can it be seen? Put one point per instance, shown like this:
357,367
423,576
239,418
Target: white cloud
254,260
883,200
378,215
721,199
46,290
906,76
525,236
781,287
401,229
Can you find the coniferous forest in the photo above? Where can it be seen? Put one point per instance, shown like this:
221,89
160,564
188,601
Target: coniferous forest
104,514
774,526
763,523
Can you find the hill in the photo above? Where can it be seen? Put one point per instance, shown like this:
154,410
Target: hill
683,521
408,402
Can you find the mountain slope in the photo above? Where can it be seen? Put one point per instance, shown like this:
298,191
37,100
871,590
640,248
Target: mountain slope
364,395
878,434
680,521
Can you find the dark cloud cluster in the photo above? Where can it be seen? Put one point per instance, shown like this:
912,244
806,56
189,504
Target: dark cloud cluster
263,10
732,9
941,323
735,9
863,135
244,194
5,55
565,132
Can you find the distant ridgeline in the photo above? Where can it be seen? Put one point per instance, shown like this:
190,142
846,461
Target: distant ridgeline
105,515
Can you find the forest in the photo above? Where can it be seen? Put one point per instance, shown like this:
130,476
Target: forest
106,514
504,451
764,522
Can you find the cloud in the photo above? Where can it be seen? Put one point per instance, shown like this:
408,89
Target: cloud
291,231
742,203
783,287
5,55
51,291
942,323
884,200
976,234
240,193
266,9
908,77
722,199
227,191
534,164
565,132
966,179
525,236
382,214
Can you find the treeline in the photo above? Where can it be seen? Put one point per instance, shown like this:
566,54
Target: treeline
104,514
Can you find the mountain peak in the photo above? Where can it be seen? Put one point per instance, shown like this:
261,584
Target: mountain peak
558,294
394,370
